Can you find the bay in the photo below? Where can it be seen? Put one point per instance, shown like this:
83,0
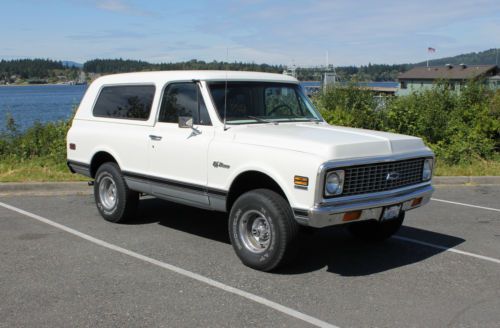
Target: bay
42,103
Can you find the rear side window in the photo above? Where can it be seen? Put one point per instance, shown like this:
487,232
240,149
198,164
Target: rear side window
131,102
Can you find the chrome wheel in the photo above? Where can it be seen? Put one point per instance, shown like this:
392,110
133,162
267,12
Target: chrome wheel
255,231
107,192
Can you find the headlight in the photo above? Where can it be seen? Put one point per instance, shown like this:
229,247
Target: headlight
427,169
334,183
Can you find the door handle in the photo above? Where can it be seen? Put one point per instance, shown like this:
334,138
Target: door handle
155,138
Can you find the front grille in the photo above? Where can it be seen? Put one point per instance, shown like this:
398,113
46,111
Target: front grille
373,177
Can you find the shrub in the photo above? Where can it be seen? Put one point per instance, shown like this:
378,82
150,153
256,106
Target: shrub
46,141
349,106
459,126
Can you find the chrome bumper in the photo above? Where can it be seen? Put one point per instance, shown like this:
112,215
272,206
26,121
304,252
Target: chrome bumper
371,206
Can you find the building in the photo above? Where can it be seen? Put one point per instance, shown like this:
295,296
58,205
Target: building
419,78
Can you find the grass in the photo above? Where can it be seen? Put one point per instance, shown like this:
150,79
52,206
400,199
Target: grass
43,170
476,168
36,170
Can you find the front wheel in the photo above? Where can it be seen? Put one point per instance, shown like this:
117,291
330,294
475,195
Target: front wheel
376,231
262,229
115,202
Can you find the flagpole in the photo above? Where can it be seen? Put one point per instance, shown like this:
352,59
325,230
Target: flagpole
428,57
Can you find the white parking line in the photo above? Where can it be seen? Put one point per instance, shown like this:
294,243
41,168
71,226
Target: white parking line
448,249
468,205
258,299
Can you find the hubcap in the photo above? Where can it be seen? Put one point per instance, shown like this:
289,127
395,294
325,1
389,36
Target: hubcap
107,192
255,231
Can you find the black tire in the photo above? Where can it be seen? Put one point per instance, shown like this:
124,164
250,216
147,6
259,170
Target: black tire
376,231
125,201
274,212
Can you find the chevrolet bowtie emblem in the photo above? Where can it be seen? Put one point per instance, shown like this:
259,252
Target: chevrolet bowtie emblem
391,176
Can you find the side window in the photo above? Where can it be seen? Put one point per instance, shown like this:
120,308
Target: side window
126,102
183,99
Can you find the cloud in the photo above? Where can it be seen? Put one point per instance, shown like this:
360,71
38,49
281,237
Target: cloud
113,5
352,29
122,7
108,35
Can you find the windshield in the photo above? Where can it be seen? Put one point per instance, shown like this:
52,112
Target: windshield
262,102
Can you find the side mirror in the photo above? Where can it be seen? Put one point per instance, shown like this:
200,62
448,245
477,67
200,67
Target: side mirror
185,121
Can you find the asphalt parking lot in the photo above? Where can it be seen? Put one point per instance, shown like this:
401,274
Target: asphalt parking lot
62,265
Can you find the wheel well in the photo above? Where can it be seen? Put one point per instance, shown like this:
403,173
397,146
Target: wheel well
251,180
99,159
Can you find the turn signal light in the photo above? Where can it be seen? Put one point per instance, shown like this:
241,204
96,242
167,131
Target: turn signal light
416,202
72,146
351,216
301,181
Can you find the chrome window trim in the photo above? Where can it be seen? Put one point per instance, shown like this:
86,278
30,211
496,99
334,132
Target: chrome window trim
320,201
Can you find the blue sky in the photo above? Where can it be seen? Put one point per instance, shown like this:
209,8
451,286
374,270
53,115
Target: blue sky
277,32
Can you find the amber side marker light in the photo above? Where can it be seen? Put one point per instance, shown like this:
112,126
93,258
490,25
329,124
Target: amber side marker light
301,181
416,202
351,216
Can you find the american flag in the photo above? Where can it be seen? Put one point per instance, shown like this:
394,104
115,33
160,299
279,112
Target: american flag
430,49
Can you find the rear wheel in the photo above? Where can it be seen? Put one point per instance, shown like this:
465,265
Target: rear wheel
115,202
262,229
376,231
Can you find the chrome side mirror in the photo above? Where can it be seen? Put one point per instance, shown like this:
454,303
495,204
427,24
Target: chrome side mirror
185,121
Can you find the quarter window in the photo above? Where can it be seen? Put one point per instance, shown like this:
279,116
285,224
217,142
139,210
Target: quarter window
183,99
125,102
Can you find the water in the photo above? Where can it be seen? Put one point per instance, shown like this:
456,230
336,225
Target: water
42,103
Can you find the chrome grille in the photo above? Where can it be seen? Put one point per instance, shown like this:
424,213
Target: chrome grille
373,177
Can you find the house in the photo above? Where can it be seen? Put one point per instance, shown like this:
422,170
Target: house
419,78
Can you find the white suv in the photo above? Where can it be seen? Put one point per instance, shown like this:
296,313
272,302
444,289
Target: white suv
250,144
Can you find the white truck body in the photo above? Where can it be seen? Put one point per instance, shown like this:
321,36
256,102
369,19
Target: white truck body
199,166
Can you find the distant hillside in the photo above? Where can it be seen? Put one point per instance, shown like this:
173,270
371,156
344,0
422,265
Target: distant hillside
28,68
45,70
106,66
487,57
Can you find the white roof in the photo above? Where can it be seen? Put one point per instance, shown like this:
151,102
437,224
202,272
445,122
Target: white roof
163,76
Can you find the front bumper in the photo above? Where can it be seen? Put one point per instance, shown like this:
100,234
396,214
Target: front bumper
370,205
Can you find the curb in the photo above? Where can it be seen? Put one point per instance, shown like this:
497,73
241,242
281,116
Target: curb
45,188
466,180
82,187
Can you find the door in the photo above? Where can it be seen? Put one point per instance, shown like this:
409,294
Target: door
179,155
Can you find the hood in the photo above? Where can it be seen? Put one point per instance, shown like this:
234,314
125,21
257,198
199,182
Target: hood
327,141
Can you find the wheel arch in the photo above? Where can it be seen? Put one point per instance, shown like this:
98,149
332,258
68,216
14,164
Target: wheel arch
250,180
99,158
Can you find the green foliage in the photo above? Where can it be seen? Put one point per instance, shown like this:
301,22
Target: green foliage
487,57
46,141
349,106
370,72
106,66
460,127
28,68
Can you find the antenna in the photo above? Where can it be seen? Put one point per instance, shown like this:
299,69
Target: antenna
225,88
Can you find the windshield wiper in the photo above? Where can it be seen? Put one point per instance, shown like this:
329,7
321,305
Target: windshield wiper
258,119
315,120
